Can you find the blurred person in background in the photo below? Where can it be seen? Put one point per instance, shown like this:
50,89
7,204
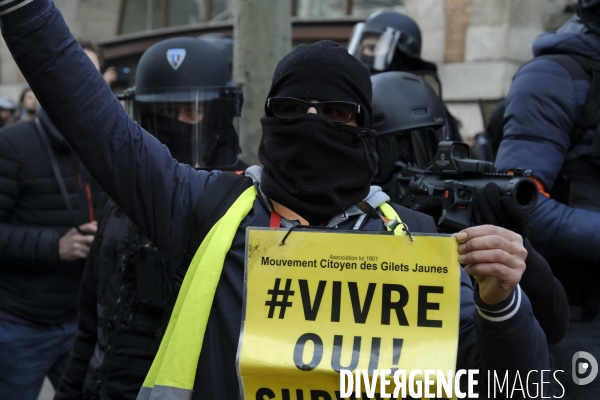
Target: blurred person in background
474,150
183,95
48,210
7,111
95,54
483,146
551,125
391,41
28,105
111,76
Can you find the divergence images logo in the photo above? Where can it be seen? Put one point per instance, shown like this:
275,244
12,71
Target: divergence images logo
580,367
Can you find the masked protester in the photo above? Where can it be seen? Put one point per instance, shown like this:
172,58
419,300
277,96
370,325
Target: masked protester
391,41
319,104
184,97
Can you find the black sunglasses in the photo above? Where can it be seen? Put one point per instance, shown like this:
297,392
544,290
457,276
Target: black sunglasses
334,111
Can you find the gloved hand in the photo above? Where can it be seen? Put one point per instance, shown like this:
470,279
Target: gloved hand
494,208
431,206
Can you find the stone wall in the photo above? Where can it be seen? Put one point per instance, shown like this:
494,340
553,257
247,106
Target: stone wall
95,19
479,45
457,13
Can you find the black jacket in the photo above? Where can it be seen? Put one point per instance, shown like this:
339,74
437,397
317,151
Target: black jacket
123,291
34,284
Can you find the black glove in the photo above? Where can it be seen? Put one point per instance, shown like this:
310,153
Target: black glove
431,206
496,208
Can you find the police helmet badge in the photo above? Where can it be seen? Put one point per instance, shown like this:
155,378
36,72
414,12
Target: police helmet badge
175,57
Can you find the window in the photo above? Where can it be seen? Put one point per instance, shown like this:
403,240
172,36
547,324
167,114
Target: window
146,15
340,8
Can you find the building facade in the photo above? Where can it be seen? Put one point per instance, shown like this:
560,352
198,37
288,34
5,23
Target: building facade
478,45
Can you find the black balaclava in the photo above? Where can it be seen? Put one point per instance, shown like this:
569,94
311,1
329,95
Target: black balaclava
219,144
171,132
324,71
315,167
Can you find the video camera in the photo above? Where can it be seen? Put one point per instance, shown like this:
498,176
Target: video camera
456,178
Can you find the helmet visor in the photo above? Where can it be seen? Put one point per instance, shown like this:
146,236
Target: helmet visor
198,125
374,48
416,148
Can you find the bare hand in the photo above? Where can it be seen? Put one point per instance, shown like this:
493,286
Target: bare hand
73,245
495,257
110,75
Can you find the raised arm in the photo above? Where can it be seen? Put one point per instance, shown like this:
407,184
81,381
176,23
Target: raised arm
134,168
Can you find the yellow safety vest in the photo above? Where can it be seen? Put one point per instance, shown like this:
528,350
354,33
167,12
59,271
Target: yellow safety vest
173,370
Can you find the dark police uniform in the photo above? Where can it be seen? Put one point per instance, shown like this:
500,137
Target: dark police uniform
123,293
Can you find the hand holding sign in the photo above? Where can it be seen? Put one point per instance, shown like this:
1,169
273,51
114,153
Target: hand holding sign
495,257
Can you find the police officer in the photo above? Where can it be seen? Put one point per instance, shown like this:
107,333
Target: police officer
391,41
408,139
318,154
182,95
552,127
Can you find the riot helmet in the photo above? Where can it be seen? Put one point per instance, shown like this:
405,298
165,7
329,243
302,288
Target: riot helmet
223,43
183,96
409,118
389,41
589,13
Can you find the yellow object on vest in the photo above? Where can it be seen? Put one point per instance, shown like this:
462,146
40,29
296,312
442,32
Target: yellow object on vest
173,370
390,213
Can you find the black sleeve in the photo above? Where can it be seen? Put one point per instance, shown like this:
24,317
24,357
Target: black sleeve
71,384
22,247
546,294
